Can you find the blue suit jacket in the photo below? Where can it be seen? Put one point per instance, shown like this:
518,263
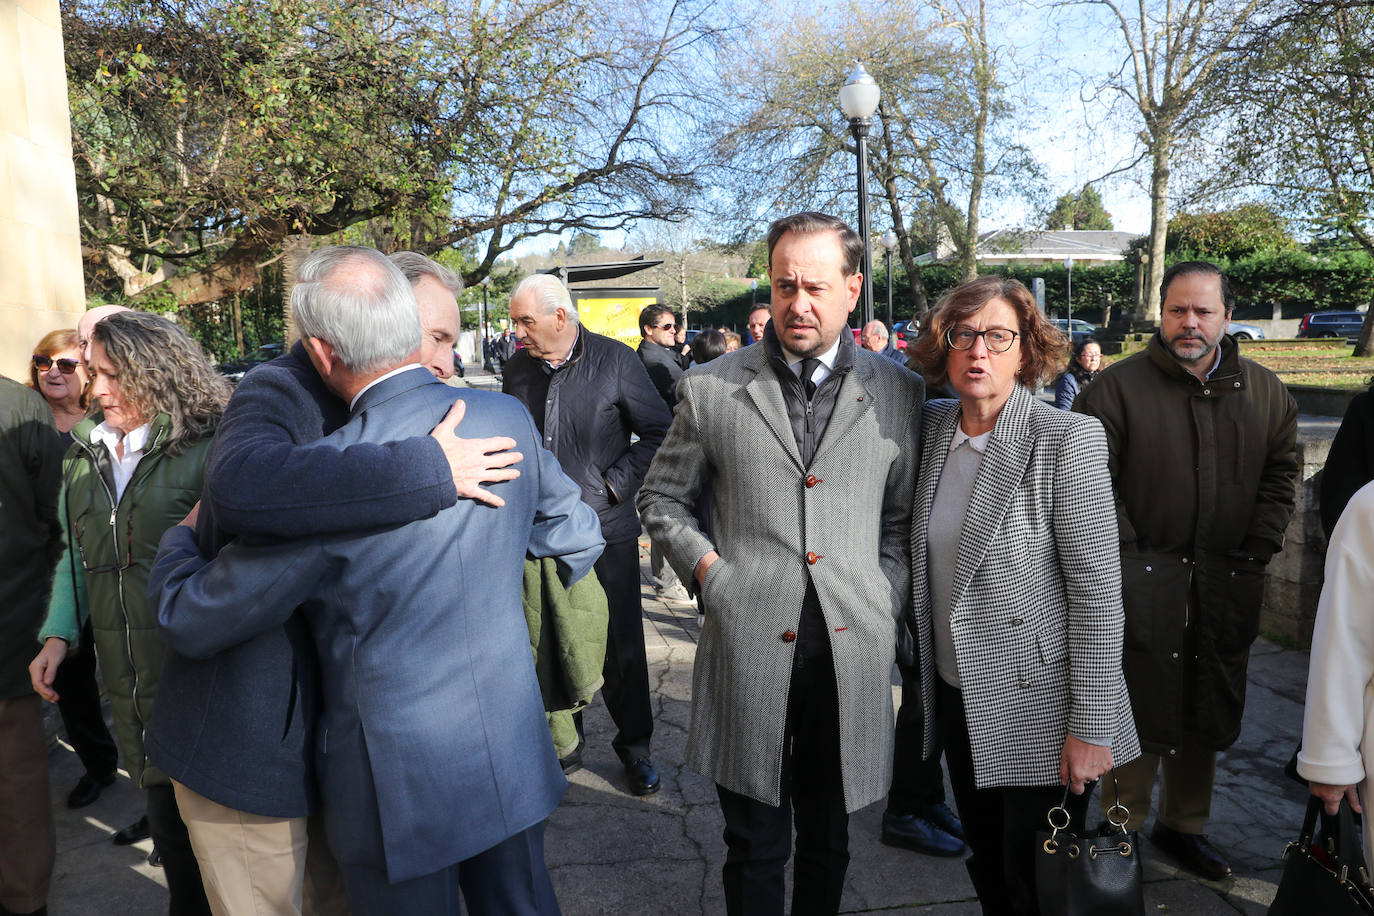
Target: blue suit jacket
432,744
237,727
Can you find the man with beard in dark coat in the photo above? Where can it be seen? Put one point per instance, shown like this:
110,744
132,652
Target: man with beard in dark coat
1203,452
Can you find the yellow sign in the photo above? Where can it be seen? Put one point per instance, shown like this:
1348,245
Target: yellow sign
618,317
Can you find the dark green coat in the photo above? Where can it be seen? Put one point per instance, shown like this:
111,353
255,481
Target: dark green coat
30,537
1204,475
103,573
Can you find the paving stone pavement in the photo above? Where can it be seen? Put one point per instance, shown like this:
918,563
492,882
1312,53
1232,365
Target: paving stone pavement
611,853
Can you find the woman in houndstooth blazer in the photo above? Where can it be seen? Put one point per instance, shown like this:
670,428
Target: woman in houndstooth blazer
1016,585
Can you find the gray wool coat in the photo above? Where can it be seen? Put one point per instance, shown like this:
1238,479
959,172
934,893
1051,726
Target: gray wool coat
850,510
1035,610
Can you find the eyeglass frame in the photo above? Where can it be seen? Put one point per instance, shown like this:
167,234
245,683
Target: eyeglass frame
950,332
64,365
667,327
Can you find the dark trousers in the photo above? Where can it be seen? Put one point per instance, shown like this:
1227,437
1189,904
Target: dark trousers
999,823
79,705
510,879
916,783
626,671
179,864
758,836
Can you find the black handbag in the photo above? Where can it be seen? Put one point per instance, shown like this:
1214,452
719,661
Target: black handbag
1327,878
1089,875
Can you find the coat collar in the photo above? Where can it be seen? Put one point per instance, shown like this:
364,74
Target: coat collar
999,474
396,385
769,368
1228,369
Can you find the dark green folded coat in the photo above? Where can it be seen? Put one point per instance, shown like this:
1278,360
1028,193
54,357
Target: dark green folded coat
567,634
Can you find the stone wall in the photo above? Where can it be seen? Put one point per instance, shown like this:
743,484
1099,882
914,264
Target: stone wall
1294,579
41,286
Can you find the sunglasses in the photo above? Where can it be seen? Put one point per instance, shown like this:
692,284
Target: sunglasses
44,363
667,327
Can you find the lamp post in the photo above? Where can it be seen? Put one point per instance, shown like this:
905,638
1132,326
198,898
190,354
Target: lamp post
753,295
1068,297
889,243
858,100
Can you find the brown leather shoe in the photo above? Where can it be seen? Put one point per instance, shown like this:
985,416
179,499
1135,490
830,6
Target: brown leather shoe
1193,852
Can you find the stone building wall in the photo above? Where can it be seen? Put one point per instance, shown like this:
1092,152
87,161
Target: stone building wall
41,285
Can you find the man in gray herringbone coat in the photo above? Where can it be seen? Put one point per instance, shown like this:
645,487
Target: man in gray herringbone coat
812,444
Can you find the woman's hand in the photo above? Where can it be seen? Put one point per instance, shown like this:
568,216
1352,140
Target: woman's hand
43,668
1080,763
1332,796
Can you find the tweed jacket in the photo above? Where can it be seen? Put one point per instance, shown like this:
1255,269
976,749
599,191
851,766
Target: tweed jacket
1035,612
843,523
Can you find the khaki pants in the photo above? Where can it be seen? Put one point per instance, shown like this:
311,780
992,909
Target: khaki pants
1185,795
28,839
260,866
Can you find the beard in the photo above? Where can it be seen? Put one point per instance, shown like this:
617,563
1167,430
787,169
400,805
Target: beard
1189,348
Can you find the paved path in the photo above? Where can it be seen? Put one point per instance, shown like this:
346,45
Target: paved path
611,853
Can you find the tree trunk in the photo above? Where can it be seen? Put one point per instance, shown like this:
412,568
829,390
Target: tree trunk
1159,225
297,247
920,301
978,42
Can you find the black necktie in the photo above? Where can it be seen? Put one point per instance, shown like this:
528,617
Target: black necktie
808,368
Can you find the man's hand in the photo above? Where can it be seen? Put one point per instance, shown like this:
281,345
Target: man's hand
702,565
190,520
43,668
1080,763
475,462
1332,796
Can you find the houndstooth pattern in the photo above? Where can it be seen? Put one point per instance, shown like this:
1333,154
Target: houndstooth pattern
732,424
1036,611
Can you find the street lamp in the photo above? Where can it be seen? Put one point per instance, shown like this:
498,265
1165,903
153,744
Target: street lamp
889,243
858,100
753,295
1068,323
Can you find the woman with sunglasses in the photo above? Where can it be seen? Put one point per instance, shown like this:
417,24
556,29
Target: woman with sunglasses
1016,584
56,373
131,475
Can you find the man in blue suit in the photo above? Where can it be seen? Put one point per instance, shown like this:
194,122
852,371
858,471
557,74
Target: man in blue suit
433,753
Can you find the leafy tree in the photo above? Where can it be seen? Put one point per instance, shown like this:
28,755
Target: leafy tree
938,141
1230,234
1172,52
1302,92
1083,210
206,135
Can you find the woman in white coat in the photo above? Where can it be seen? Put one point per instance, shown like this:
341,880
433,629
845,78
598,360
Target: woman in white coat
1016,581
1339,719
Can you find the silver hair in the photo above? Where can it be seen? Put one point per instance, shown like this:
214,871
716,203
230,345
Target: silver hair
417,266
878,328
549,292
371,320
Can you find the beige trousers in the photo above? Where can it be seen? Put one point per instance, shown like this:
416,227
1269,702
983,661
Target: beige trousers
261,866
28,839
1185,794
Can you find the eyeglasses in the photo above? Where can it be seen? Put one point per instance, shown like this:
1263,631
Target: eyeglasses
998,340
65,366
668,327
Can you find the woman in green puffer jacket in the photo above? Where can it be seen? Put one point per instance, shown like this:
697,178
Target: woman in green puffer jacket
126,480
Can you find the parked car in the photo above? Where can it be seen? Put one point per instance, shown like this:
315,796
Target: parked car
1331,324
1082,330
235,369
899,331
1245,331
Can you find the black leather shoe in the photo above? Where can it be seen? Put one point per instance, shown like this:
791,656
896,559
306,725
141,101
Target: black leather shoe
573,761
87,790
1193,852
642,776
131,834
155,858
943,817
911,831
